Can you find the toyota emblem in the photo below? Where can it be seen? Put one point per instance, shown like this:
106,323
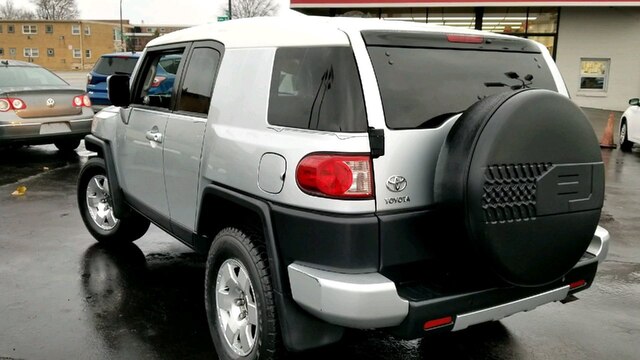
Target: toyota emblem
396,183
50,102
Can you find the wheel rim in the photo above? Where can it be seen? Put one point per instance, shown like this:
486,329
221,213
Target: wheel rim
236,307
623,133
99,203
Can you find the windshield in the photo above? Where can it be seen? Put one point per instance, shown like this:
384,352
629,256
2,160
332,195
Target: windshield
18,76
110,65
421,87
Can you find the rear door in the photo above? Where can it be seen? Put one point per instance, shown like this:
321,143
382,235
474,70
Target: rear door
140,150
184,134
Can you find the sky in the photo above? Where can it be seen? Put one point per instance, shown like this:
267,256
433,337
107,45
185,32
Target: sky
176,12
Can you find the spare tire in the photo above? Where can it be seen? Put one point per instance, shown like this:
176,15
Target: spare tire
522,174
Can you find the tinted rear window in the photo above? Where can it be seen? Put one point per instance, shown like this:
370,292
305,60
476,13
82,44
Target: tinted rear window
317,88
420,86
111,65
28,76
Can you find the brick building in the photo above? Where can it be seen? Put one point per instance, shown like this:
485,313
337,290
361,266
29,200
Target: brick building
73,44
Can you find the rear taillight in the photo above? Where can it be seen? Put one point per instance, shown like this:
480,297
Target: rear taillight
81,100
464,38
12,104
157,81
336,176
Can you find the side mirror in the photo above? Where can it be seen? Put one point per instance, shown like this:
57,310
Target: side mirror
634,101
118,90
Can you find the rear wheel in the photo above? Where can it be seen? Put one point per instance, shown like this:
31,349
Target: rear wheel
96,207
67,145
625,144
239,298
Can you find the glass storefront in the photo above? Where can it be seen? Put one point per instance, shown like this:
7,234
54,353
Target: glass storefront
536,23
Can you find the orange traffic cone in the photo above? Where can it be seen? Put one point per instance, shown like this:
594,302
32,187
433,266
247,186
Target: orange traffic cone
607,137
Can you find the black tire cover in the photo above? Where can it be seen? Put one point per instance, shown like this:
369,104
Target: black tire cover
523,173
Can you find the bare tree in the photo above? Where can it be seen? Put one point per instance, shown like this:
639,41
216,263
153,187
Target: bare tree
56,9
251,8
9,11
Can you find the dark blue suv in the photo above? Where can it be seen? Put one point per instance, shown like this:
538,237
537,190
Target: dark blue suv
108,64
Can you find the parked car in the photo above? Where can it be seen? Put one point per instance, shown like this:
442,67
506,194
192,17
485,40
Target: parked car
630,125
353,173
38,107
108,64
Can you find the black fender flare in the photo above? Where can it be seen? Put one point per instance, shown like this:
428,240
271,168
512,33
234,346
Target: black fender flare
103,148
294,321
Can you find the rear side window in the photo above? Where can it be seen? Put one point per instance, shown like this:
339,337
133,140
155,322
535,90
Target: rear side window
421,87
195,95
317,88
111,65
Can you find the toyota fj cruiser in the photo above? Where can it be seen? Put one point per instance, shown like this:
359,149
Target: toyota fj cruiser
352,173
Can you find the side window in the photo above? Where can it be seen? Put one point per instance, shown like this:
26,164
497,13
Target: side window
195,95
316,88
157,86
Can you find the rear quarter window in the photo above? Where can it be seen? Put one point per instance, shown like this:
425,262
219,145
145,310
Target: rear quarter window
316,88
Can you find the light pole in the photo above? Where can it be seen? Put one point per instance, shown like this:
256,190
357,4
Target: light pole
229,9
121,30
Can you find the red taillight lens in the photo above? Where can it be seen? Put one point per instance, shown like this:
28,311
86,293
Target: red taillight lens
81,100
432,324
577,284
463,38
12,104
157,81
336,176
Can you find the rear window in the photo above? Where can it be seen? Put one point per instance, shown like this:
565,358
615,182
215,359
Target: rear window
316,88
28,76
423,86
110,65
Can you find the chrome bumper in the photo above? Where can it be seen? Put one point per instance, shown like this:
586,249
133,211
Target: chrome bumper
371,300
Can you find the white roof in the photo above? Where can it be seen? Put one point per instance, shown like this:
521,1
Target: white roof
293,31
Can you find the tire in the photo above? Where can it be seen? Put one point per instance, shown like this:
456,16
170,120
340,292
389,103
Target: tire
248,305
96,208
625,144
67,145
521,175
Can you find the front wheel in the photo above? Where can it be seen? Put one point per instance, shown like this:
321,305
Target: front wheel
96,208
625,144
239,298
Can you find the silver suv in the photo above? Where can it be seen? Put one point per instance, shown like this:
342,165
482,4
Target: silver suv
352,173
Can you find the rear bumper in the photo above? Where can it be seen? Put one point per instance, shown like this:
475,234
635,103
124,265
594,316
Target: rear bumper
29,132
371,300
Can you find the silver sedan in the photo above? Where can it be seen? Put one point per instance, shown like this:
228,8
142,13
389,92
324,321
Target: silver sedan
38,107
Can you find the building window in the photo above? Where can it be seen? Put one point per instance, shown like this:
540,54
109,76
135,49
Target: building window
76,53
48,29
87,53
87,30
51,52
75,29
11,28
31,52
594,74
29,29
1,51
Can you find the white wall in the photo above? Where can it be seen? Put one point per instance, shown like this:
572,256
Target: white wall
601,32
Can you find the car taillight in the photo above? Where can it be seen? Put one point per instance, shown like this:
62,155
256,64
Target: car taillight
12,104
336,176
157,81
81,100
464,38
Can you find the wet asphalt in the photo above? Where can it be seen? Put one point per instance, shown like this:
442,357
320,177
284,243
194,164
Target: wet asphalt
63,296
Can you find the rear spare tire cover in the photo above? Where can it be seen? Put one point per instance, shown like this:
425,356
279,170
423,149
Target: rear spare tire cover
523,174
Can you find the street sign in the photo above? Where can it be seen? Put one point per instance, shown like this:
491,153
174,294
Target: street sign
223,18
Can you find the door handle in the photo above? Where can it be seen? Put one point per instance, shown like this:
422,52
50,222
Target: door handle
154,135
